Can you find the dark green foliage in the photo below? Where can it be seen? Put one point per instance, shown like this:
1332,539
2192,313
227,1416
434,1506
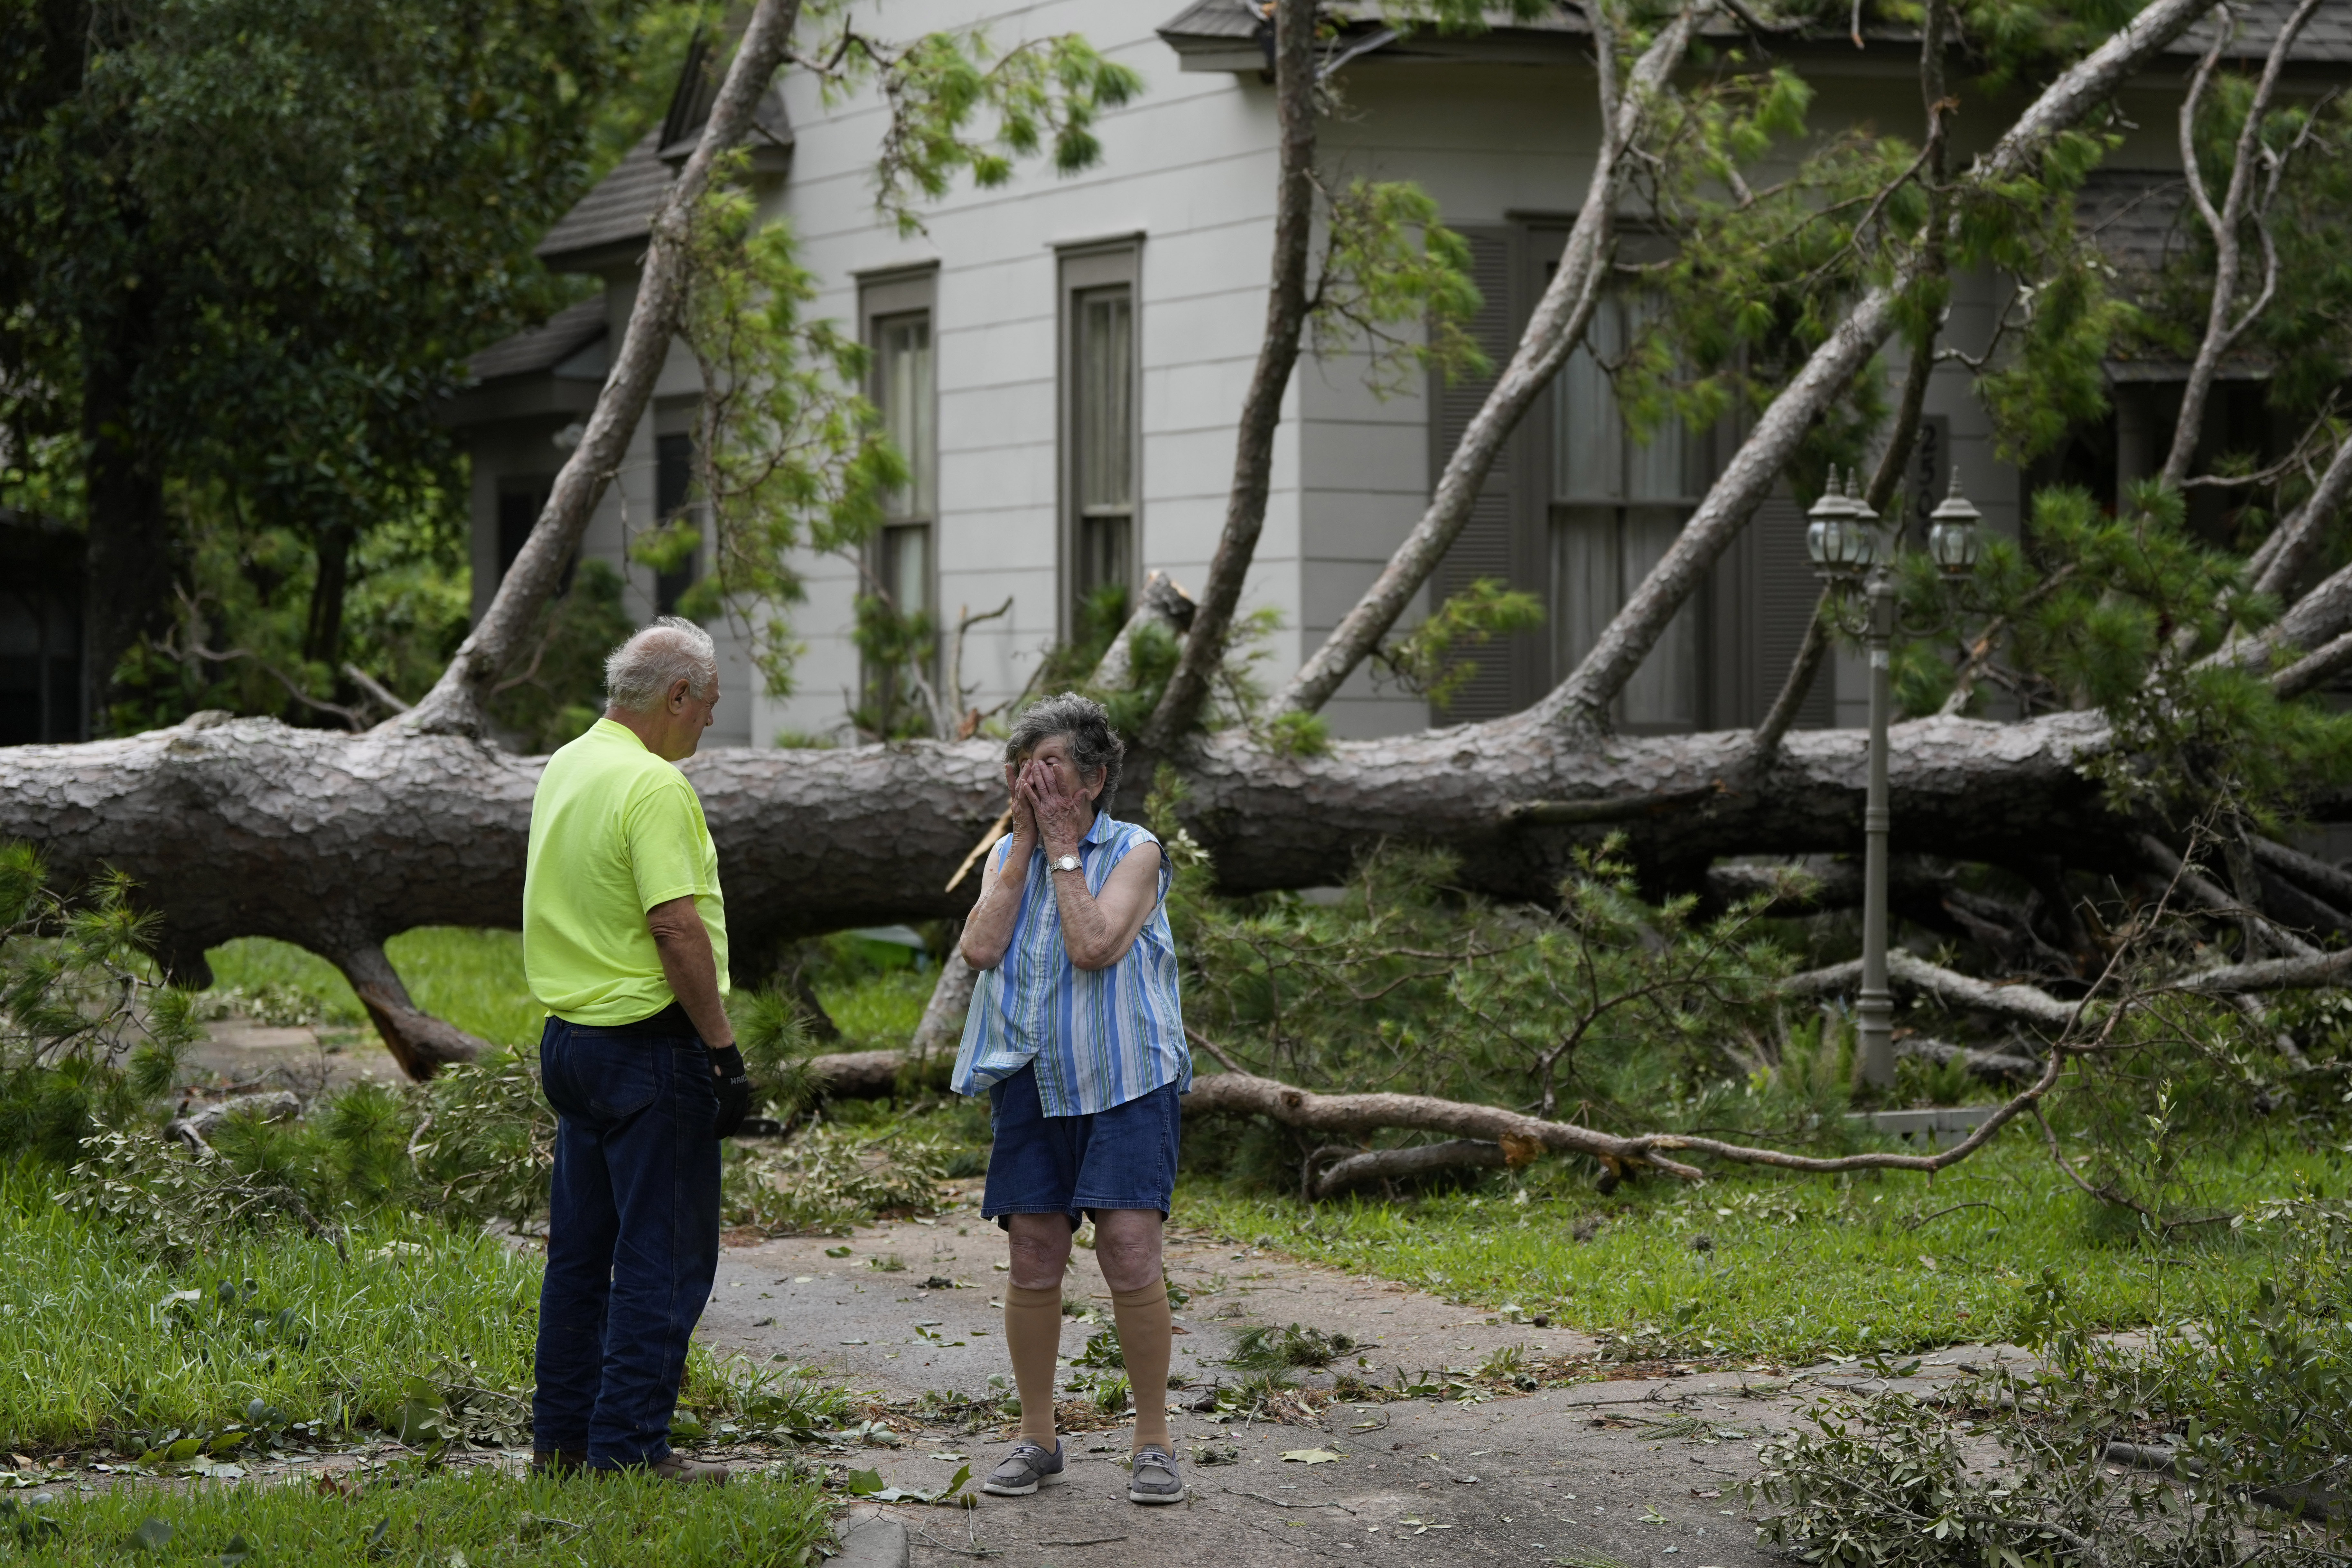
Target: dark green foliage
1424,660
2245,1393
261,239
1610,1008
558,690
2118,612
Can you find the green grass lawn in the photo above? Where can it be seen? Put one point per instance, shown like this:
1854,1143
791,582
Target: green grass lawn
473,977
479,1518
1791,1268
97,1340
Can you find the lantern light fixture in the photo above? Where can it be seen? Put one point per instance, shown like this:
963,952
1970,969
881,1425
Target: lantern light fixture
1839,535
1952,538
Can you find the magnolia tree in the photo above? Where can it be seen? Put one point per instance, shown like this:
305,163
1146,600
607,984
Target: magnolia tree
2164,680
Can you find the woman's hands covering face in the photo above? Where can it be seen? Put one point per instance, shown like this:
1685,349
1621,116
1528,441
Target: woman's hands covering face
1047,790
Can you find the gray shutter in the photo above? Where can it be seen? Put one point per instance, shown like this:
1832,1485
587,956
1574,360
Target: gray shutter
1765,593
1484,547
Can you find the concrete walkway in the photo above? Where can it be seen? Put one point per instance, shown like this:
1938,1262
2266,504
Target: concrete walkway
1642,1470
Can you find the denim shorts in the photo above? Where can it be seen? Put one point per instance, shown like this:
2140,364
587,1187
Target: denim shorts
1123,1158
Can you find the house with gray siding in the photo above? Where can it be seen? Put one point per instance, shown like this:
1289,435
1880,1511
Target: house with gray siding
1063,360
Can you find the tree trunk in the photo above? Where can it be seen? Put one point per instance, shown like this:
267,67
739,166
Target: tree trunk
322,636
1286,318
250,827
128,568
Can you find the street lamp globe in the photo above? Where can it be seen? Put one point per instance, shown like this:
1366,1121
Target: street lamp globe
1838,536
1952,533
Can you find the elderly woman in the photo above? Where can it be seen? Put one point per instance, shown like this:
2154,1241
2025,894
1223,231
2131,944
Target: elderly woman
1076,1037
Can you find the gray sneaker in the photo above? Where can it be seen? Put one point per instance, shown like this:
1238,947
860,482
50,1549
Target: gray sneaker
1155,1478
1025,1469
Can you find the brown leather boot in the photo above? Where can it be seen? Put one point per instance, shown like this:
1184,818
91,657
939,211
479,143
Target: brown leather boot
563,1462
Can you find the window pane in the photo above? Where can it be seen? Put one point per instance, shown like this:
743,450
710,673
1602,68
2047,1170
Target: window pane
1665,690
902,359
906,566
1105,553
1104,402
1599,555
673,492
1587,445
1594,456
673,474
1584,579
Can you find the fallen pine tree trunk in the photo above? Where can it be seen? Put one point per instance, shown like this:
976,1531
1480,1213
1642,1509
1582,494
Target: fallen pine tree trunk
337,842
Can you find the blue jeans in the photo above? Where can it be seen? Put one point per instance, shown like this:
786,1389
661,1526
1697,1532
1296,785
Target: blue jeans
632,1237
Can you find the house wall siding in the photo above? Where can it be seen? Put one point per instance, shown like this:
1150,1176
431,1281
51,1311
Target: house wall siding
1188,170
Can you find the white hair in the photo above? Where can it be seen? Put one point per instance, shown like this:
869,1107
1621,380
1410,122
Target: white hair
641,671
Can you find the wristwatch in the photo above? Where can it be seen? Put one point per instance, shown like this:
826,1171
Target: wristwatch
1064,863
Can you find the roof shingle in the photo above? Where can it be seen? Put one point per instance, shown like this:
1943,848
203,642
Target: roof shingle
545,346
616,213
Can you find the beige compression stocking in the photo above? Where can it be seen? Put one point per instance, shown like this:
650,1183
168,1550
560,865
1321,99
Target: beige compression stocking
1145,1334
1033,1336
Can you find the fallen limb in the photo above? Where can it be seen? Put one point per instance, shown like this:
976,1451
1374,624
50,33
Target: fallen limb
2029,1004
1984,1064
195,1129
2299,973
1399,1164
858,1075
1246,1094
2215,898
2313,875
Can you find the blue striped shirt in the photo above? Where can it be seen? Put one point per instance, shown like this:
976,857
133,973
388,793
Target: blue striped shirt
1099,1038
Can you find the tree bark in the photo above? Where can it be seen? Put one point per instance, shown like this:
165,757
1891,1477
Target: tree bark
454,706
250,827
2291,546
1286,320
1557,327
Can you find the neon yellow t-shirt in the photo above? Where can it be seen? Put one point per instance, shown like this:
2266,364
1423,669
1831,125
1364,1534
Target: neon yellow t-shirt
614,830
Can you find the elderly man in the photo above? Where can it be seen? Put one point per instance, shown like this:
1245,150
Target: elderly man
625,944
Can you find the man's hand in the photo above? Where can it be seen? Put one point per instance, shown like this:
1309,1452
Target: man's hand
734,1089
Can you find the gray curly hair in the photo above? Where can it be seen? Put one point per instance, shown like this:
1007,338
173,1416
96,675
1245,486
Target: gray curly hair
641,671
1095,746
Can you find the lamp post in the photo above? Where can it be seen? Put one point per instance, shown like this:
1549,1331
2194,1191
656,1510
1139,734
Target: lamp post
1848,550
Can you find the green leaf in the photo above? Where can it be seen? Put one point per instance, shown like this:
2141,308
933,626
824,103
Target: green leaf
862,1483
152,1534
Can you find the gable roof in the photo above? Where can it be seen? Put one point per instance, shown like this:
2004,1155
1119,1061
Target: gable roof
610,224
2132,216
613,220
2326,38
1224,35
547,345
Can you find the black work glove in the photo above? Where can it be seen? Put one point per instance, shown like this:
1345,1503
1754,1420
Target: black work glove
734,1091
